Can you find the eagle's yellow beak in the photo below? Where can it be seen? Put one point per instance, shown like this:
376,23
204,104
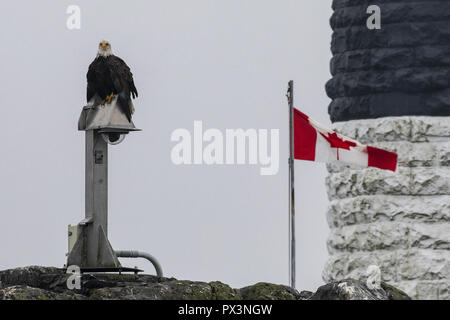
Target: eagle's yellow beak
103,44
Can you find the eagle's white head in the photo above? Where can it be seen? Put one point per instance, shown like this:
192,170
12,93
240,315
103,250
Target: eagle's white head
104,49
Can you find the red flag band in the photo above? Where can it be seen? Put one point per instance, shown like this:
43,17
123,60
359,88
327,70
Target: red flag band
314,142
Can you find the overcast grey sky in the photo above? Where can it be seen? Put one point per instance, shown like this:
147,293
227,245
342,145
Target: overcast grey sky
226,63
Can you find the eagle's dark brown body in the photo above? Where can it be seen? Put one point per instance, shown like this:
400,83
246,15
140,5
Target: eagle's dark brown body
111,75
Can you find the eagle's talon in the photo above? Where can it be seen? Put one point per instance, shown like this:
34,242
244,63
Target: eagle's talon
110,97
103,102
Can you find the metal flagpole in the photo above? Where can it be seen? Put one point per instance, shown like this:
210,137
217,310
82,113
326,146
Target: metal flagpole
290,95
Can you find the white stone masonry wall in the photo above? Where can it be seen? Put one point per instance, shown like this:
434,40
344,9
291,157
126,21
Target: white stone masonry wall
398,221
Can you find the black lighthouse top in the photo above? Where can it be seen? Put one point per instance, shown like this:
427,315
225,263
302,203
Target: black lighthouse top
401,69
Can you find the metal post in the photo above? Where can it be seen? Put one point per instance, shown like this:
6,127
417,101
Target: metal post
96,191
290,96
93,249
96,179
88,244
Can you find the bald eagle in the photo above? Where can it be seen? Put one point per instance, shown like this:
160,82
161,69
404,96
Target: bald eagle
109,76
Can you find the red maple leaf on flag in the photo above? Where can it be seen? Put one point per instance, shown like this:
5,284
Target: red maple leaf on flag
336,142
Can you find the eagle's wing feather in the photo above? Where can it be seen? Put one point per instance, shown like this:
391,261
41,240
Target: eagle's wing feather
91,81
125,75
122,79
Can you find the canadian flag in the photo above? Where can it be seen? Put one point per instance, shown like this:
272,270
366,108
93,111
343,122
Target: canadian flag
313,142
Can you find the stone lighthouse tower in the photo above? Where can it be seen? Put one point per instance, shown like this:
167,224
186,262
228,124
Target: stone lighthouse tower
390,88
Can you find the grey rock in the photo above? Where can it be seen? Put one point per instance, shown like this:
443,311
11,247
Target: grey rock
42,283
22,292
166,290
145,287
350,289
267,291
32,276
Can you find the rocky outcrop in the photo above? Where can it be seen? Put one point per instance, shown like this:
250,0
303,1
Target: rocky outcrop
355,290
401,69
398,221
40,283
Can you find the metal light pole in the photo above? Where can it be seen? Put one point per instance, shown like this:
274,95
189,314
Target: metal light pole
290,95
89,247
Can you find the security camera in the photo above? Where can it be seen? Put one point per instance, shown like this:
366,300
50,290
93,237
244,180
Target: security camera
113,137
